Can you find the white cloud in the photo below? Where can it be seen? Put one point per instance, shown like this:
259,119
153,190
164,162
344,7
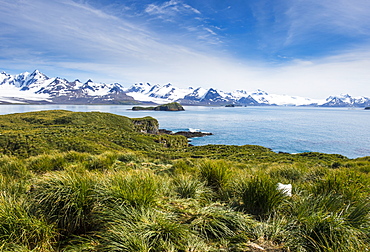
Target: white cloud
306,18
170,8
74,40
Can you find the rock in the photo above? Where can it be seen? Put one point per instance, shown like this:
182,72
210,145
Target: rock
147,125
189,134
367,108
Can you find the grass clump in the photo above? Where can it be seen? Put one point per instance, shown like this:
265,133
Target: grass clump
186,186
67,199
47,162
135,188
101,162
216,222
260,196
21,230
144,229
215,173
329,223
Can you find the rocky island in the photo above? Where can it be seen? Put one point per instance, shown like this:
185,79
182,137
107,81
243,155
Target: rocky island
187,134
173,106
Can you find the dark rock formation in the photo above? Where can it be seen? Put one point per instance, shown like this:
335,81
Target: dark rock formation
147,125
189,134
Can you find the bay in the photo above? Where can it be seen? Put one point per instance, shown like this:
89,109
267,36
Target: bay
287,129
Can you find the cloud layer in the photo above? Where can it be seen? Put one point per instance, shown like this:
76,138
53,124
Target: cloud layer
182,43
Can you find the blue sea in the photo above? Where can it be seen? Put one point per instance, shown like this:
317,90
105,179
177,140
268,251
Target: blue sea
287,129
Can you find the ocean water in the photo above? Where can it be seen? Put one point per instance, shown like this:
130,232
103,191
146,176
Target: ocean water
288,129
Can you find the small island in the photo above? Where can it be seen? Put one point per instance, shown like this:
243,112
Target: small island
187,134
233,105
367,108
173,106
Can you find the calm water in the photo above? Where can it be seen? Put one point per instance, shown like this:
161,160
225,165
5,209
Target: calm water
289,129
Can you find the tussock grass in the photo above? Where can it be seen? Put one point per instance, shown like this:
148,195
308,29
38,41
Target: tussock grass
13,167
287,174
47,162
21,230
67,199
144,229
186,186
103,161
330,223
216,222
134,187
215,173
260,196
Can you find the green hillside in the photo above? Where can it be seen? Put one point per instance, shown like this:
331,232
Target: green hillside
91,181
93,132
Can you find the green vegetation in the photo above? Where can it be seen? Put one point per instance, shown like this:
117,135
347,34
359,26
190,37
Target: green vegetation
173,106
94,181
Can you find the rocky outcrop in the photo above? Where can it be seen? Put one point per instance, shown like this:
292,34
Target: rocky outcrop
189,134
147,125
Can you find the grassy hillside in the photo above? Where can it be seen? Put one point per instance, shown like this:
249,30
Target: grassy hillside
28,134
95,182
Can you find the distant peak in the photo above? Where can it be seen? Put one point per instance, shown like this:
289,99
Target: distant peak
36,72
89,81
345,95
260,92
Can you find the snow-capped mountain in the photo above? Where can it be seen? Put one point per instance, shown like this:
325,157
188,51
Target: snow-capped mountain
345,100
36,87
156,93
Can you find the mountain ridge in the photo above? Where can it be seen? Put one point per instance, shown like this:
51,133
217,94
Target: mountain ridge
37,87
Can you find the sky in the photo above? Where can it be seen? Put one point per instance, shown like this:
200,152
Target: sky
310,48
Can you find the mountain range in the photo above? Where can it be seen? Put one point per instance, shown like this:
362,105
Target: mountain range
38,88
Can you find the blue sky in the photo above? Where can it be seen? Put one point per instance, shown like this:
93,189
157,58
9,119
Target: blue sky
312,48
